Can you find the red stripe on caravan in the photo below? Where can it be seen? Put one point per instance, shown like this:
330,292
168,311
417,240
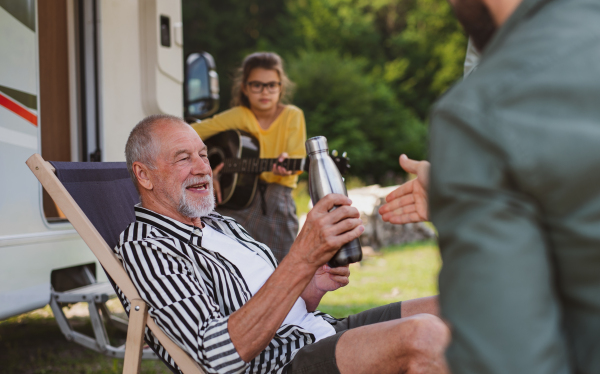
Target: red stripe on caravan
11,105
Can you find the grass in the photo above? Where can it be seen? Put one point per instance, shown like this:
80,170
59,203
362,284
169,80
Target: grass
31,343
398,273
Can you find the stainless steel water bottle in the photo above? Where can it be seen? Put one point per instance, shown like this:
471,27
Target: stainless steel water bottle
324,178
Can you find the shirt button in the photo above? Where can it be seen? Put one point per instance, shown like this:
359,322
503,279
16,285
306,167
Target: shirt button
197,231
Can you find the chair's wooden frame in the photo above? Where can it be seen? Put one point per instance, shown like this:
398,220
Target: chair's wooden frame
138,316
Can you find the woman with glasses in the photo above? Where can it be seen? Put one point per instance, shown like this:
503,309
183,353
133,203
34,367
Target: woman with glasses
259,94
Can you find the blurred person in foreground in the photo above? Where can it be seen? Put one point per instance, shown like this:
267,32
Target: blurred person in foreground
514,190
224,299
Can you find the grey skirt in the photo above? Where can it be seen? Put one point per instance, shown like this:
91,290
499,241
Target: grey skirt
277,228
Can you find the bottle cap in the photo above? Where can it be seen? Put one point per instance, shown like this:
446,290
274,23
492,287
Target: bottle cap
316,144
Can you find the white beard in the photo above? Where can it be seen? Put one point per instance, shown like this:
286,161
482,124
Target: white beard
196,209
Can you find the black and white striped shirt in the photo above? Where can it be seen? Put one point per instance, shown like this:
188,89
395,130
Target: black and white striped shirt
191,291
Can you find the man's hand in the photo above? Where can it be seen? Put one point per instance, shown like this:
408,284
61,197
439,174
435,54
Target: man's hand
325,231
216,182
330,279
408,203
326,279
280,170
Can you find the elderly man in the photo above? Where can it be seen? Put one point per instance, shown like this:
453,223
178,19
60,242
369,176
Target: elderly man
515,190
221,296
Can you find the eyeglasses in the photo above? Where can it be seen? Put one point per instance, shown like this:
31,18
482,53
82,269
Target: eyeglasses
257,87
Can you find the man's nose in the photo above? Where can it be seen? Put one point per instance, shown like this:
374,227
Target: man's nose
200,166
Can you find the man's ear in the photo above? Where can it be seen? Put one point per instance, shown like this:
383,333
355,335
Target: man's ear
141,173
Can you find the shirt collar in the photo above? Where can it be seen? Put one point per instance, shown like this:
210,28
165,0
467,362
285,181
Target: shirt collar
182,231
525,10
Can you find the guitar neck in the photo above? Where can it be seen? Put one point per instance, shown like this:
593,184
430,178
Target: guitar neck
259,165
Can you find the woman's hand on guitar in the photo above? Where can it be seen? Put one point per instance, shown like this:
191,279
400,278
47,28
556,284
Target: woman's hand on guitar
216,184
280,170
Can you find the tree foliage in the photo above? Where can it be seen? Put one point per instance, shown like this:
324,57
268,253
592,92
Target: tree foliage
367,71
356,111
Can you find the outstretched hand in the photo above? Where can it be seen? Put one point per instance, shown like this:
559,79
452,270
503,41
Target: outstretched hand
408,203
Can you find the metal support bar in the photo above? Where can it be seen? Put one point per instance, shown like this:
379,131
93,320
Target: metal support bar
95,295
115,321
98,326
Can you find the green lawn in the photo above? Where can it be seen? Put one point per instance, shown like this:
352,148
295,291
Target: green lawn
399,273
32,342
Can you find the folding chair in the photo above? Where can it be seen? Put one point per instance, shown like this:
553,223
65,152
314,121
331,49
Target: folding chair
72,188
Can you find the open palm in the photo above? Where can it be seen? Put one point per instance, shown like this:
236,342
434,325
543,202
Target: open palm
408,203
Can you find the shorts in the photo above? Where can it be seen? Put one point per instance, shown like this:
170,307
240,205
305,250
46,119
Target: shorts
319,358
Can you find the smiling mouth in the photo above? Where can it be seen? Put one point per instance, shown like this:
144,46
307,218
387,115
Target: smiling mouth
198,187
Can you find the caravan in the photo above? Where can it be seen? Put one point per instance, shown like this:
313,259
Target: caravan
75,77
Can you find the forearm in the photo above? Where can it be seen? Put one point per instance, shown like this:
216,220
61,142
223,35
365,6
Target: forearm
252,327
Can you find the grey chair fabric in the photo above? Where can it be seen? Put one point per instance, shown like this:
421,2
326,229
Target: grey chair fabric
106,194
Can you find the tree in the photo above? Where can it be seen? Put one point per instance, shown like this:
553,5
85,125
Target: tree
357,112
367,71
230,30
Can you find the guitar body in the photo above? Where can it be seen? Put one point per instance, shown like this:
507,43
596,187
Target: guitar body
237,189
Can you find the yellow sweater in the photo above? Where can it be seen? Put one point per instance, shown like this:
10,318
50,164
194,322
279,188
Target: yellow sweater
286,134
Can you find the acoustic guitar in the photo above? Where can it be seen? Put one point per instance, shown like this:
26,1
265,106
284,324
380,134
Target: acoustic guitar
240,151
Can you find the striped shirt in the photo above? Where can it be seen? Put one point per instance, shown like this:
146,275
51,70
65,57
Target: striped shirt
191,292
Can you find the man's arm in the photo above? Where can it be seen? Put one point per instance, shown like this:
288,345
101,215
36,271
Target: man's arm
253,326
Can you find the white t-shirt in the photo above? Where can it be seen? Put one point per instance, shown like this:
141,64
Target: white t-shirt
255,271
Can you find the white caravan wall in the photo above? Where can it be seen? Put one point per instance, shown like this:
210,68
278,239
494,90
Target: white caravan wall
126,56
29,248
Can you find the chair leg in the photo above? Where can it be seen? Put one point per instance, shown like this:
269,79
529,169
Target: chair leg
135,336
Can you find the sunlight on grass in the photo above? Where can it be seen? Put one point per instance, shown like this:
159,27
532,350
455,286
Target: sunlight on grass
399,273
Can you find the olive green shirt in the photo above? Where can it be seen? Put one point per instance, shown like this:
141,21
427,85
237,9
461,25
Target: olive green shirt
515,196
